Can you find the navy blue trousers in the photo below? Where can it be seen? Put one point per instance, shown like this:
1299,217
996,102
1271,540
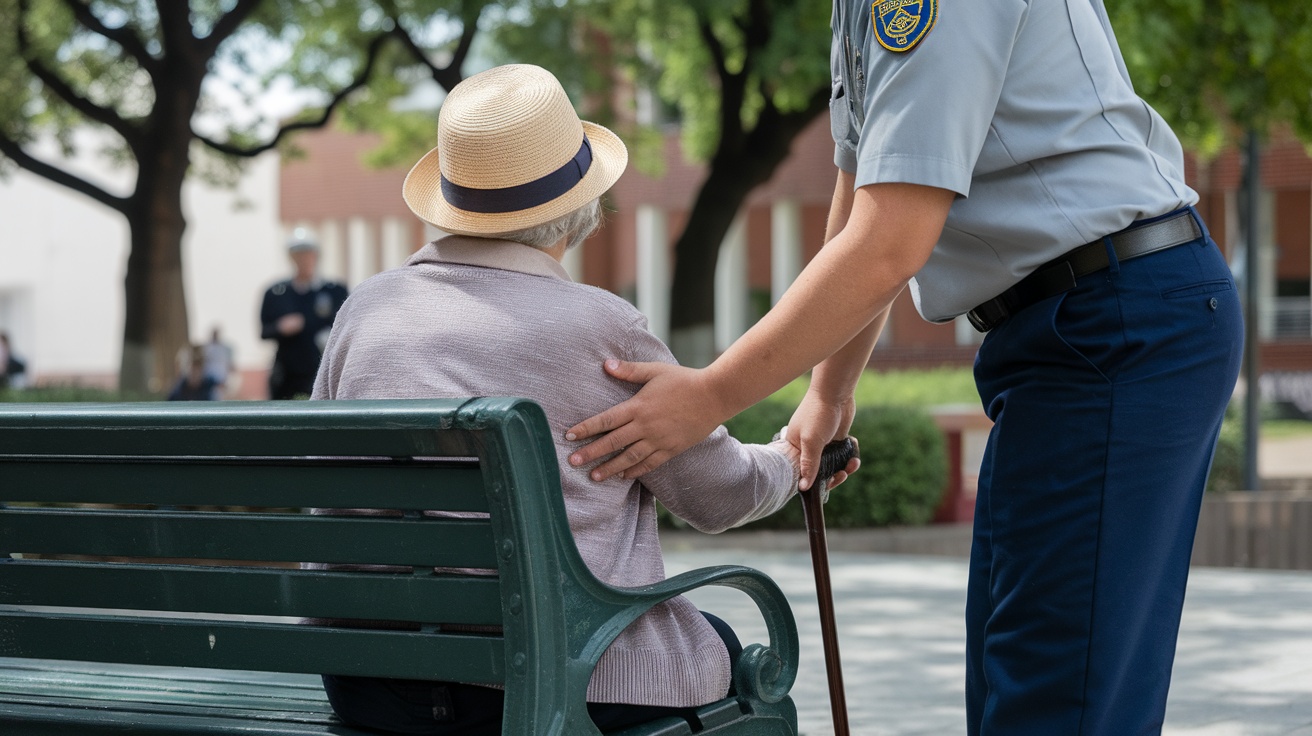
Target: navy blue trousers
1106,402
390,706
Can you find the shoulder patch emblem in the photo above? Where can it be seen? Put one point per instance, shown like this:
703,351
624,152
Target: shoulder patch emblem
901,24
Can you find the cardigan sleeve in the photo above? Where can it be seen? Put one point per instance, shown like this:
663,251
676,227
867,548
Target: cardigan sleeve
719,483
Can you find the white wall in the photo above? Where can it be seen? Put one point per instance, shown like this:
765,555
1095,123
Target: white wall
63,258
232,251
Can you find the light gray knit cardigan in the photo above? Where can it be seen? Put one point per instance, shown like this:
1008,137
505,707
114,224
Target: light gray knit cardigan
478,317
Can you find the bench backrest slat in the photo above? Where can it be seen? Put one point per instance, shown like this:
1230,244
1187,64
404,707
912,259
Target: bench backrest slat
255,537
393,484
284,442
253,591
251,646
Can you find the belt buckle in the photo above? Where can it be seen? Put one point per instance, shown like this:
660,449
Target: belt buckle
977,321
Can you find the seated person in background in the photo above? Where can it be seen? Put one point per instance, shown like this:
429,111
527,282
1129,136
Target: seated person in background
489,311
195,385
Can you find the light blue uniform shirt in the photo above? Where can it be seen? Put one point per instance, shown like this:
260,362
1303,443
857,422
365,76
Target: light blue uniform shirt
1024,108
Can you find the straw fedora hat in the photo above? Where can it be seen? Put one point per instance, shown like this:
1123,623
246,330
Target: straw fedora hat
511,154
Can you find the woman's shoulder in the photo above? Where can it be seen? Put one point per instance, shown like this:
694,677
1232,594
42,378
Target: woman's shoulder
609,304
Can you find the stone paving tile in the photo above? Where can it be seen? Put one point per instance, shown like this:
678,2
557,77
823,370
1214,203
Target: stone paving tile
1243,667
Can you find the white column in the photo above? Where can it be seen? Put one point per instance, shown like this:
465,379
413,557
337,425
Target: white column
361,254
332,251
785,246
732,302
654,269
396,245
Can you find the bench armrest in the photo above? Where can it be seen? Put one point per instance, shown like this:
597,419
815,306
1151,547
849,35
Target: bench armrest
763,672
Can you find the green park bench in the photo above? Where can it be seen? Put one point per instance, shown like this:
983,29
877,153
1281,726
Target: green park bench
139,542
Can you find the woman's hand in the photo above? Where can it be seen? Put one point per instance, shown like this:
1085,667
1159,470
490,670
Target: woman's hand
674,410
817,422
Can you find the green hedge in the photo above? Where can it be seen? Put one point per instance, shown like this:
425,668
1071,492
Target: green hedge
903,467
1228,462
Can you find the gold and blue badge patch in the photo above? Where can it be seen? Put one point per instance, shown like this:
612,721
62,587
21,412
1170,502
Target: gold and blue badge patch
900,24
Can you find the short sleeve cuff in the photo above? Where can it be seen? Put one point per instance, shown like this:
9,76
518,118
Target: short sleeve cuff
845,158
912,169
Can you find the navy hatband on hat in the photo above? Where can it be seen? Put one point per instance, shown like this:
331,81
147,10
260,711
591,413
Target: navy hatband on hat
521,196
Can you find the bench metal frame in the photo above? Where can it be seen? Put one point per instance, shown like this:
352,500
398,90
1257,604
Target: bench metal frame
119,544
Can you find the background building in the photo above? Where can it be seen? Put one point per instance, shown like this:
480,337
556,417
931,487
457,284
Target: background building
62,257
366,227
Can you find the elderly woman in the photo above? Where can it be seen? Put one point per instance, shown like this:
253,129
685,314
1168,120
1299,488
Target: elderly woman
489,310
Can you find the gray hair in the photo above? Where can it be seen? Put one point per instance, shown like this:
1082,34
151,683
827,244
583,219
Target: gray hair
576,226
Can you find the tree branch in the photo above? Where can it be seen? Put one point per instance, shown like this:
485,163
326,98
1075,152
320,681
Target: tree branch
123,35
12,150
230,22
175,29
61,88
450,75
375,46
732,90
714,46
773,123
418,52
756,33
469,29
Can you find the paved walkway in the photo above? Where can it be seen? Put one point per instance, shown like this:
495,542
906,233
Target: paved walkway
1244,664
1286,458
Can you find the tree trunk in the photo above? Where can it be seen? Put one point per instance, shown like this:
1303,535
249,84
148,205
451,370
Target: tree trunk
692,297
155,323
734,172
155,320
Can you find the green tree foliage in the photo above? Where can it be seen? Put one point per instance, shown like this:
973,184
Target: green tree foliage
745,77
148,76
1217,68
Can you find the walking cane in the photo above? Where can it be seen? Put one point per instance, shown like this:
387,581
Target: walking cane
833,459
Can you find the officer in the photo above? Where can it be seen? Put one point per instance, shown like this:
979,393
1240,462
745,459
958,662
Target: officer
298,313
994,156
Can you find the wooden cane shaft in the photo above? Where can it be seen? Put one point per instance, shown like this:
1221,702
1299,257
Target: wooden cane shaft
813,511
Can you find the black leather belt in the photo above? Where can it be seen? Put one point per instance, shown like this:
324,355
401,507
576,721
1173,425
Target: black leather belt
1059,275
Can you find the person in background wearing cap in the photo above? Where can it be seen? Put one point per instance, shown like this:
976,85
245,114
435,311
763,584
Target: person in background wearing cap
995,156
488,310
298,313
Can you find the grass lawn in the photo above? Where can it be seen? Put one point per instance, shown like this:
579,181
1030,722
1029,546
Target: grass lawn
1283,429
931,387
938,386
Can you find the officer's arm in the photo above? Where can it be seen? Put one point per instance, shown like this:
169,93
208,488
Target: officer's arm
827,410
887,238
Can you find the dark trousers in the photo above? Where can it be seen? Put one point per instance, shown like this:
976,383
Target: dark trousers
1107,401
285,384
454,709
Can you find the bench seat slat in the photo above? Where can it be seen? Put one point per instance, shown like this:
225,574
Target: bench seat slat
249,691
253,646
256,537
67,669
252,591
23,719
422,485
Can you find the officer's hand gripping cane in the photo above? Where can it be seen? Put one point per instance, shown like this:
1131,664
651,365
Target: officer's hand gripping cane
833,459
